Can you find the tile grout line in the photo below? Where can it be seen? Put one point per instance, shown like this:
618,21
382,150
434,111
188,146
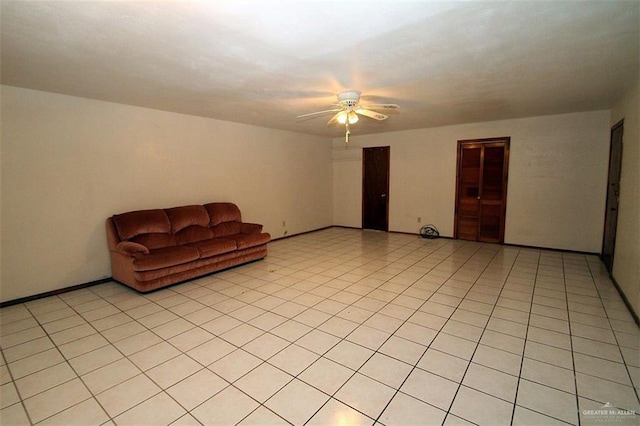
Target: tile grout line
526,335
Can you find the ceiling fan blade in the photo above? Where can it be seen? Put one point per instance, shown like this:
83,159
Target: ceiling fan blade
334,119
372,114
382,106
319,112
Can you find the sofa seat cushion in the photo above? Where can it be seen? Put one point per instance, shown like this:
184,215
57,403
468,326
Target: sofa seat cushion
214,247
165,257
250,240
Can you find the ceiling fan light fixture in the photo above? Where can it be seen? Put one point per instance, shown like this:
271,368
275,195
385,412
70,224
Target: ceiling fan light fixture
347,116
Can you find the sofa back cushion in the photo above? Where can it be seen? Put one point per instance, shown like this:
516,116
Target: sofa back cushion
225,229
185,216
139,222
193,234
223,212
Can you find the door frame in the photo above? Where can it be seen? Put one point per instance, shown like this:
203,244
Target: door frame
610,212
387,149
505,178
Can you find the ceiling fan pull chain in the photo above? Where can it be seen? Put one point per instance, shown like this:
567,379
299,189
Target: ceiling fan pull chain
347,134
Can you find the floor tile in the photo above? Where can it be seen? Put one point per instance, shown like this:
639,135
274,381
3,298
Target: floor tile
88,412
309,401
43,380
492,382
35,363
453,345
128,394
442,364
242,334
602,368
154,355
326,375
525,417
211,351
9,395
263,382
402,349
235,365
173,371
549,375
263,417
95,359
480,408
291,330
365,395
349,354
159,409
549,354
197,388
293,359
354,315
368,337
386,370
227,407
191,339
27,349
543,399
110,375
406,410
336,413
318,341
429,388
604,391
55,400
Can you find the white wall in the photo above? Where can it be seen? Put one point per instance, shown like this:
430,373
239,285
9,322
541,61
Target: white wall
626,260
68,163
556,189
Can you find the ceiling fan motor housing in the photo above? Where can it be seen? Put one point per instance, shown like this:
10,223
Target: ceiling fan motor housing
348,99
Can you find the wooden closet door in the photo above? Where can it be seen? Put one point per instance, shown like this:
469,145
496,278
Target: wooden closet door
482,190
468,207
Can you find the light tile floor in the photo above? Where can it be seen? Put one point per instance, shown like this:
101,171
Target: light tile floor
340,326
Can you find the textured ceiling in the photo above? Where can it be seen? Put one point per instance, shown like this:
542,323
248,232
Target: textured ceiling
266,62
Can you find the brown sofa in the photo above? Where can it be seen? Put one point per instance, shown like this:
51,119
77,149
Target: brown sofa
155,248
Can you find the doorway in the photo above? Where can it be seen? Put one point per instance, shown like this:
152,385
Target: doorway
481,189
375,188
613,196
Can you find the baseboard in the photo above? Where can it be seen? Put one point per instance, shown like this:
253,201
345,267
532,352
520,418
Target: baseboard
625,300
284,237
54,292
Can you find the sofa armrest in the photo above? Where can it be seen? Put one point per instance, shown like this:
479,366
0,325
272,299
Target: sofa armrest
250,228
130,248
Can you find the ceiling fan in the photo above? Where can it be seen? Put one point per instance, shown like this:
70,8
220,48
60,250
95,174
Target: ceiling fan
348,108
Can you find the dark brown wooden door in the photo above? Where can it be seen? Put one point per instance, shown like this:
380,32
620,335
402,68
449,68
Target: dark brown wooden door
613,195
375,188
481,190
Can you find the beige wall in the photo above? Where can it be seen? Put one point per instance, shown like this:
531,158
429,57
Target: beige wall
557,178
69,163
626,262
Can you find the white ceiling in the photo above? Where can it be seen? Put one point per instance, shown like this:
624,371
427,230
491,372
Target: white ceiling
266,62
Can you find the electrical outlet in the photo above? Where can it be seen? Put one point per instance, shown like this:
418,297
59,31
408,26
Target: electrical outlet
419,219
